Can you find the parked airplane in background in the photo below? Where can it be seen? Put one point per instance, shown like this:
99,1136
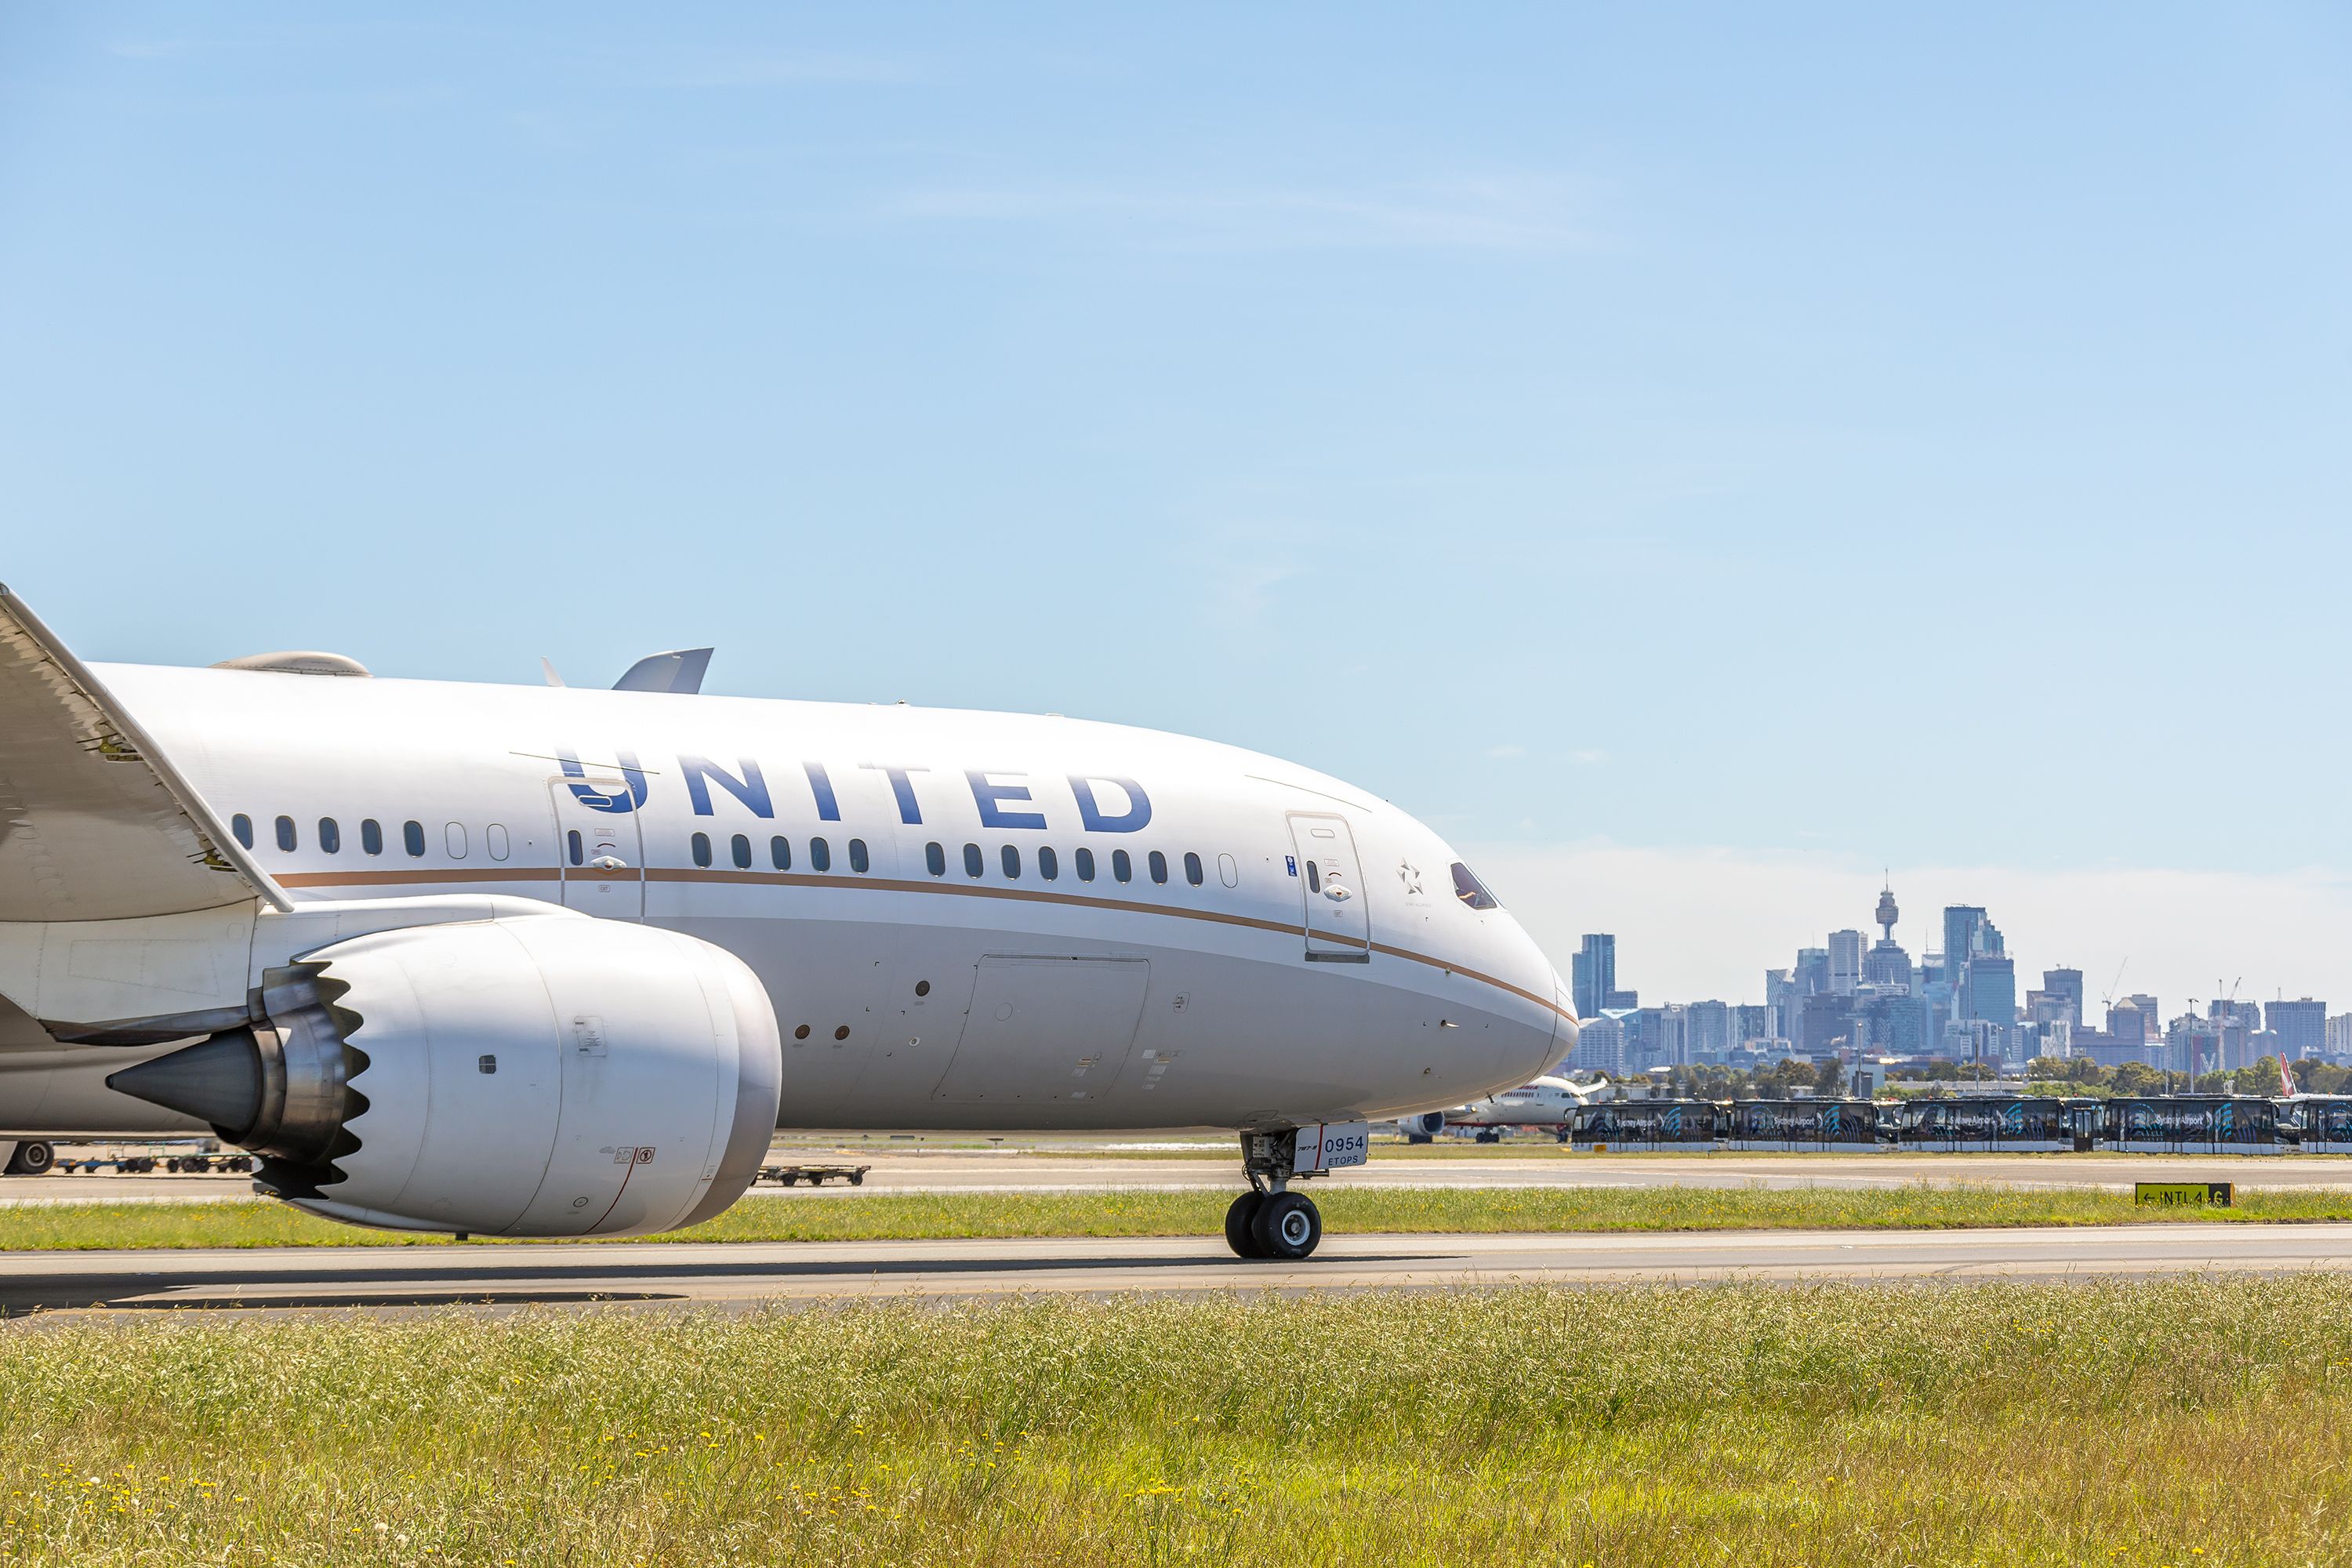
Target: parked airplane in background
1547,1102
540,960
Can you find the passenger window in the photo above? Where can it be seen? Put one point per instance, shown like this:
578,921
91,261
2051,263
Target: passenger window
820,854
701,843
573,847
858,859
1192,872
331,836
1314,877
242,825
1012,859
740,849
286,833
372,837
779,853
1084,861
1227,872
972,859
1471,890
412,838
454,836
1121,867
494,840
1159,864
935,859
1047,866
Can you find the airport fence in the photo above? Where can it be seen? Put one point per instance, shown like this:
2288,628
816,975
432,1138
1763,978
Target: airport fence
2147,1125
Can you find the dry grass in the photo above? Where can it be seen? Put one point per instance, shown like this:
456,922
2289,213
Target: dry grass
1361,1210
2194,1422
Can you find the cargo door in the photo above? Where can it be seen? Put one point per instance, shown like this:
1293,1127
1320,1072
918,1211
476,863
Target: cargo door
599,846
1339,928
1046,1030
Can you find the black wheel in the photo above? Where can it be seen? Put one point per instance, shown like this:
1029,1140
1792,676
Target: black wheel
1417,1137
857,1178
1239,1233
1287,1225
32,1158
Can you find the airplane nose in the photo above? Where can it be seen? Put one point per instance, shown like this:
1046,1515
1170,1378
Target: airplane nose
1566,1025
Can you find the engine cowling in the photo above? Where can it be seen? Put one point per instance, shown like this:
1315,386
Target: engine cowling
543,1077
1428,1124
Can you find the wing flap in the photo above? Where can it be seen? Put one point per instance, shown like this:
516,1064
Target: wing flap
95,823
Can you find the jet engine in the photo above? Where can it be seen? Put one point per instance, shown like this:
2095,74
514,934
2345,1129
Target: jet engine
1421,1128
548,1077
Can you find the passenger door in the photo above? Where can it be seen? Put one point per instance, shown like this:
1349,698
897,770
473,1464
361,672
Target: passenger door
1046,1030
1337,925
599,851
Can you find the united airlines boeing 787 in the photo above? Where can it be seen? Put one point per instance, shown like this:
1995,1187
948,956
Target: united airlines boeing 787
538,961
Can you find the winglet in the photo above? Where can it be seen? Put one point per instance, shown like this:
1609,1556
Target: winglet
677,672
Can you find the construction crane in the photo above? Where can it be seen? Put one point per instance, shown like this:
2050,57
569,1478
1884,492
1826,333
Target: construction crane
2109,1000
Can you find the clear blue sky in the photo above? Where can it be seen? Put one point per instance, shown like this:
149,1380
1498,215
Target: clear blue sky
1919,438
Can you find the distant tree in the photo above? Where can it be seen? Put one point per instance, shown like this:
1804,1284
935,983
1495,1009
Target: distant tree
2138,1077
2322,1078
2262,1077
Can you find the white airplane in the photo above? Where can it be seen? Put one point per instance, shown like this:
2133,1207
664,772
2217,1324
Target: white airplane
1547,1102
547,962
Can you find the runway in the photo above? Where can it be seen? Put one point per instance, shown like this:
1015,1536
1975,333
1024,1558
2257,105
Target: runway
1013,1171
296,1278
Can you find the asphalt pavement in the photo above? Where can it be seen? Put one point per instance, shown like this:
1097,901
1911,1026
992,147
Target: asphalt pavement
749,1274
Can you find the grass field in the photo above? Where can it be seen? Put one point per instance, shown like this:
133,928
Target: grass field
2205,1422
914,1216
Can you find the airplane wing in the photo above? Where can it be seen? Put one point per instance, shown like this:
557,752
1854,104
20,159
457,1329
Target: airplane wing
95,822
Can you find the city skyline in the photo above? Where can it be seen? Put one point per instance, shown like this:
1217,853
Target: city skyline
1671,950
1959,1001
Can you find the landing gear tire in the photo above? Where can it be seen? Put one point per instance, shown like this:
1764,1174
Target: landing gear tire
1239,1235
1287,1226
33,1157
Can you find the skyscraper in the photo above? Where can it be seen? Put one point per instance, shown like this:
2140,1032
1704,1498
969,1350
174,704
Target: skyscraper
1600,1047
1593,974
1845,962
1781,1000
1963,931
2301,1026
1989,993
1710,1031
1812,976
2066,983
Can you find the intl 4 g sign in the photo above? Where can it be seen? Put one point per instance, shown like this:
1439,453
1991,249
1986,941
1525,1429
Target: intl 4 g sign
2183,1195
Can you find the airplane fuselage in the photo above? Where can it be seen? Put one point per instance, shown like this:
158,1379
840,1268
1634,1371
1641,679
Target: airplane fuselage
963,918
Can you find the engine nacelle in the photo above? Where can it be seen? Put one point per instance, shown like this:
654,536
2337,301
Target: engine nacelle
1428,1124
545,1077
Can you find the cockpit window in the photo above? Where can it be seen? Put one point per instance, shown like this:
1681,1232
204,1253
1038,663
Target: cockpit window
1471,890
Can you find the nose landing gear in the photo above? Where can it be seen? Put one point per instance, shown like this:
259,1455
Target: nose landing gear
1270,1221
